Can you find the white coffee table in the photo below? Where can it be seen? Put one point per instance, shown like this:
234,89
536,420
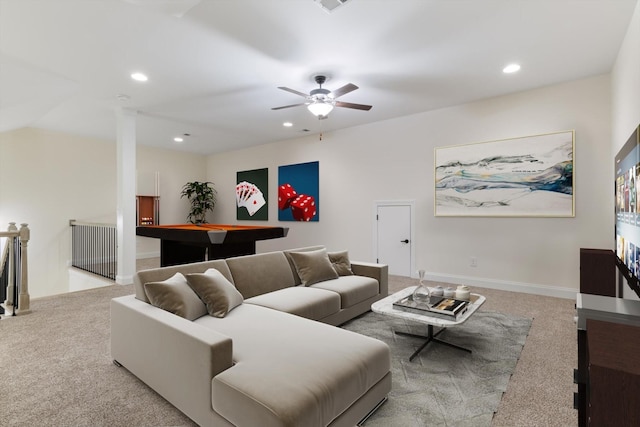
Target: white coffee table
385,307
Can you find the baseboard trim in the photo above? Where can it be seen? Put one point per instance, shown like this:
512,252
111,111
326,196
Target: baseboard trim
124,280
503,285
145,255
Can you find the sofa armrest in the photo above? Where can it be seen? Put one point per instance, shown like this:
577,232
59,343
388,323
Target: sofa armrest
172,355
380,272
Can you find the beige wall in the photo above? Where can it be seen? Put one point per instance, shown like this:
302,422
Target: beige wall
393,160
47,178
625,96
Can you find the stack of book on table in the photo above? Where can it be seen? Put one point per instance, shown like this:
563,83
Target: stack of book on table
441,307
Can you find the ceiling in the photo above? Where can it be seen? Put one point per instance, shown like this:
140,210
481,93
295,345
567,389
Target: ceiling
214,65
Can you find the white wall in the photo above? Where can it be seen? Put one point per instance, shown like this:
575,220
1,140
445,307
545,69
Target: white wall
393,160
47,178
625,86
625,94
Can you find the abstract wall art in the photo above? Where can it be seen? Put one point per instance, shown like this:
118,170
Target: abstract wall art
529,176
298,192
252,195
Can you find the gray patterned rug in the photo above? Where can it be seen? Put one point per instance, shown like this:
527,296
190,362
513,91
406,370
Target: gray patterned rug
444,386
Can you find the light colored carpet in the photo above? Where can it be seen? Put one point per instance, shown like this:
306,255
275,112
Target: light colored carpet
57,370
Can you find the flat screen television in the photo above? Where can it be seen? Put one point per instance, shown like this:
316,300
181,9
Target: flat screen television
627,202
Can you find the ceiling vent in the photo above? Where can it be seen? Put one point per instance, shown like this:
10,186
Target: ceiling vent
330,5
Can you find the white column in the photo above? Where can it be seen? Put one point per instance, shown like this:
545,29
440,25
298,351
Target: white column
126,203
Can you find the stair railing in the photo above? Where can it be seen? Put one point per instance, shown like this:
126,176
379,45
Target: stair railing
14,271
94,248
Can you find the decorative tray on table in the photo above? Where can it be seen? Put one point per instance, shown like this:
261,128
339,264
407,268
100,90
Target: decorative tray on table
445,308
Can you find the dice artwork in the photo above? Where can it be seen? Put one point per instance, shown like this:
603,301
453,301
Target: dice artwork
286,194
303,207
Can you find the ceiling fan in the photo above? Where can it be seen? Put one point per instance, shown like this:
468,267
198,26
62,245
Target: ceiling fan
321,101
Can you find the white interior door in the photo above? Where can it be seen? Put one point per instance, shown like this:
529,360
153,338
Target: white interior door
394,237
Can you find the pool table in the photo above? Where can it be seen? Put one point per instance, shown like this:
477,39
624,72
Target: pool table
186,243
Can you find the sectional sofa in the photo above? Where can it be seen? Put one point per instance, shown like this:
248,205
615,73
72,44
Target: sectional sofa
249,341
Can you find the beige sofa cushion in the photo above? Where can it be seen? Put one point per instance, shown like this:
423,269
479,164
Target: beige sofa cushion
306,384
217,293
261,273
159,274
313,266
352,289
341,263
175,296
293,266
314,304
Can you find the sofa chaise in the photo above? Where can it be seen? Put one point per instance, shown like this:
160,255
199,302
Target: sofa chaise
259,346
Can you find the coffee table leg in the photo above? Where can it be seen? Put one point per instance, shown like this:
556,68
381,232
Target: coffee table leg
417,352
430,337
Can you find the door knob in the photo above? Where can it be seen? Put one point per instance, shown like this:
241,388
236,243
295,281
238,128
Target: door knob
404,241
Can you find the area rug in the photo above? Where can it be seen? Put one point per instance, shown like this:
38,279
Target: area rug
444,386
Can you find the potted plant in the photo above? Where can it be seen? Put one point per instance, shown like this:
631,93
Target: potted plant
202,196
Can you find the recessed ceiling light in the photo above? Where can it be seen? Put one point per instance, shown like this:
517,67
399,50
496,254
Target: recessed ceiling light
511,68
287,124
178,139
139,77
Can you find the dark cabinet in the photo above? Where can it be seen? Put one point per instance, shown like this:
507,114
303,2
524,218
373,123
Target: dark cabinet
598,272
608,374
614,374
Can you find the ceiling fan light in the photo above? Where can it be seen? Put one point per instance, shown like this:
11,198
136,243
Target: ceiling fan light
320,108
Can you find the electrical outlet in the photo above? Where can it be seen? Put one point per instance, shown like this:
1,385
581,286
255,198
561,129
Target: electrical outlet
474,261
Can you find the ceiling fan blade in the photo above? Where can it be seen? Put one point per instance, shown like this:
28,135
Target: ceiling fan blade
354,106
343,90
295,92
288,106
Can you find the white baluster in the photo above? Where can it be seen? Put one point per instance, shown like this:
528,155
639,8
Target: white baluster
12,273
23,299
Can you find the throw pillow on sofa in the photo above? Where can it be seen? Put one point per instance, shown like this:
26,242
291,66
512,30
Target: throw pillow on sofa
175,296
341,263
218,294
313,266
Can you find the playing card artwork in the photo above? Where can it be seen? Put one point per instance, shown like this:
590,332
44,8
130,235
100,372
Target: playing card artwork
252,195
249,196
298,192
